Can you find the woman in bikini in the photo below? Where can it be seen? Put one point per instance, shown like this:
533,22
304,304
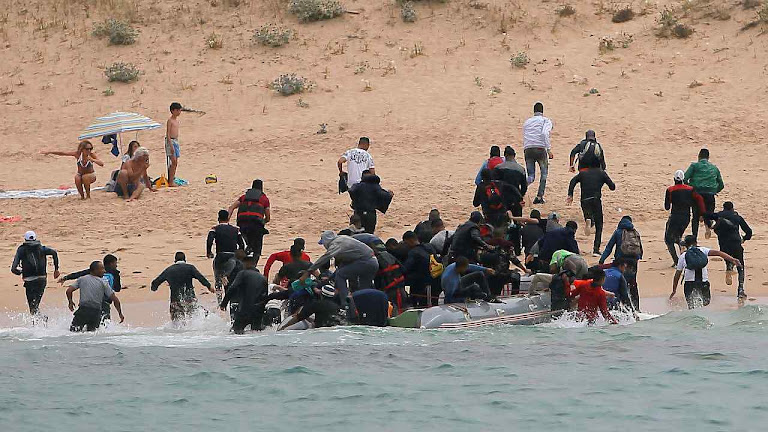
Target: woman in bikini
86,174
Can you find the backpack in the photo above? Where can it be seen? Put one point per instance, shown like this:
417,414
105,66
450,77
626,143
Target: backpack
493,193
725,226
590,156
250,211
494,162
630,243
435,267
33,261
696,260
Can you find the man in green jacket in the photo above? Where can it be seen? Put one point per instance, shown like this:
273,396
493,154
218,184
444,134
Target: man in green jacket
706,180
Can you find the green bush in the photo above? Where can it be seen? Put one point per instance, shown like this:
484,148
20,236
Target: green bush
289,84
519,60
408,12
272,35
119,32
122,72
316,10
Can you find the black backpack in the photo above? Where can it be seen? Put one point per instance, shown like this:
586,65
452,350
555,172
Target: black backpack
590,156
696,260
33,261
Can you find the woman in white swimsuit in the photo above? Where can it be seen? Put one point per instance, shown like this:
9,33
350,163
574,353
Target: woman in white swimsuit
86,174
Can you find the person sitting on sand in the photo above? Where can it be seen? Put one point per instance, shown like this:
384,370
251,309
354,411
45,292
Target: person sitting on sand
133,176
132,147
86,174
93,289
179,276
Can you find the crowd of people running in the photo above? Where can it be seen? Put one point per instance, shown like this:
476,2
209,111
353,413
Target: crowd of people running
484,258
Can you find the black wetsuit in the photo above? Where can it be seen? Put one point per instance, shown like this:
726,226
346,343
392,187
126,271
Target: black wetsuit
417,274
251,288
592,181
681,200
179,276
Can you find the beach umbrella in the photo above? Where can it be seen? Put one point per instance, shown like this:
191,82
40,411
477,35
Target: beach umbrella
117,123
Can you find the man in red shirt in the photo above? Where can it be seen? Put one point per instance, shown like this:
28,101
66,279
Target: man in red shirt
285,256
253,214
592,296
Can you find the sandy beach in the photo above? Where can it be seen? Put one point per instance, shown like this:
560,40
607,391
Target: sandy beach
422,92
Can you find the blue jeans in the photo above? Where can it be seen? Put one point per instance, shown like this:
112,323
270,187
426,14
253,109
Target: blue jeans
533,156
359,273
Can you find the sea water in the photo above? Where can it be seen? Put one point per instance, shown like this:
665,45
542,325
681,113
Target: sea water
704,370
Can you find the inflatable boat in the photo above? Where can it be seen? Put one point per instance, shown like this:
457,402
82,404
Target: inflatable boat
520,310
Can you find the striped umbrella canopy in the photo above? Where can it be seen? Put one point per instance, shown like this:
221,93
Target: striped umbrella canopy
117,123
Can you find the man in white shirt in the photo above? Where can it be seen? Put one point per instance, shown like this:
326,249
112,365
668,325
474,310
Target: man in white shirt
696,282
358,160
537,148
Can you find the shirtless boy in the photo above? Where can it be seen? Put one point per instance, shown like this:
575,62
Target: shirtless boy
132,174
172,142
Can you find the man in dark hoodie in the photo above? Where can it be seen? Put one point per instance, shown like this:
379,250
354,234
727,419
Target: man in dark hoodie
179,276
424,229
592,181
512,173
629,246
416,267
589,152
559,239
30,263
253,214
111,275
250,289
367,197
728,224
467,239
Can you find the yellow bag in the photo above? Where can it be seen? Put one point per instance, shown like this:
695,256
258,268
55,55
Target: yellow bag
435,267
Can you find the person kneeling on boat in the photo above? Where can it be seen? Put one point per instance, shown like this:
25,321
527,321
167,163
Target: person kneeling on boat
592,296
464,281
250,287
322,303
370,307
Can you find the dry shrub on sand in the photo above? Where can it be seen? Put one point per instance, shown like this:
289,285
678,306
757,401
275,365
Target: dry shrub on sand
288,84
623,15
122,72
118,32
565,11
272,35
316,10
